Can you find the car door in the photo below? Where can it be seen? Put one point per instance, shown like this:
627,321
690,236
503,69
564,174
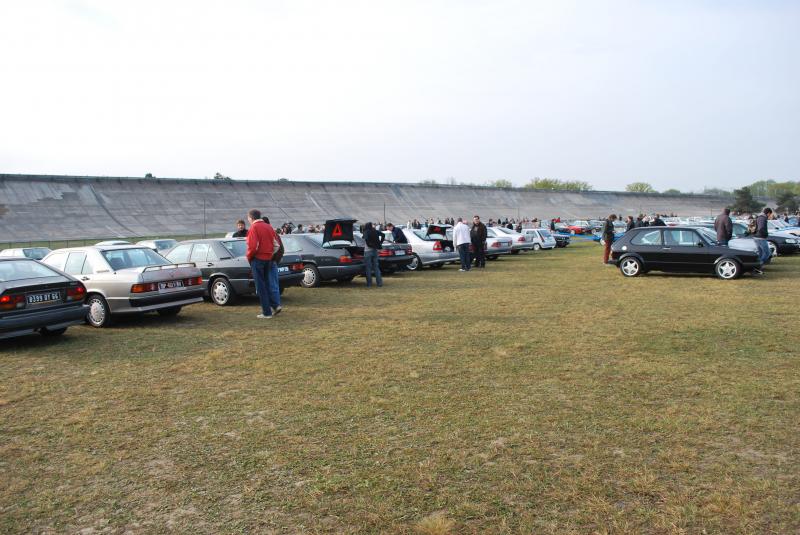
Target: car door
79,266
649,245
684,254
199,256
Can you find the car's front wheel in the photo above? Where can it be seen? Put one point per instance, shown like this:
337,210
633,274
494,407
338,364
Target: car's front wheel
310,276
221,292
536,246
99,314
728,269
630,267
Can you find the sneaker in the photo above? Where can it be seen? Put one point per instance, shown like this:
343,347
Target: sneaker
462,269
263,317
277,310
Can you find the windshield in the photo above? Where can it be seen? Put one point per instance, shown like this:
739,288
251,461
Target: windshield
237,248
164,244
15,270
37,253
134,258
708,234
544,233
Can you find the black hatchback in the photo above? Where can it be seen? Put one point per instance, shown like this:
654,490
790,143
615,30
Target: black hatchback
36,297
678,249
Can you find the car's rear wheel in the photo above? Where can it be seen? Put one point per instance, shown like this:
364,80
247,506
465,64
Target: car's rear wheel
221,292
169,312
630,267
415,264
773,248
52,332
310,276
99,314
728,269
536,246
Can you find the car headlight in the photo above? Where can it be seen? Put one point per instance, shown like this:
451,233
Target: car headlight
791,240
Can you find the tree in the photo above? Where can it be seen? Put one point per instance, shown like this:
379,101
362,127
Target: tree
640,187
744,203
501,183
149,175
220,176
787,202
671,191
428,182
556,184
716,191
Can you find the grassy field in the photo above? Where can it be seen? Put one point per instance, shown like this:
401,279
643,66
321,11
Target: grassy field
546,394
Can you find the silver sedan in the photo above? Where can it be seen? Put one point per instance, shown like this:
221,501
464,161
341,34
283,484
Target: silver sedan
431,247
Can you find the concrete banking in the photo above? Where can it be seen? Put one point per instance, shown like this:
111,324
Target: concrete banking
45,207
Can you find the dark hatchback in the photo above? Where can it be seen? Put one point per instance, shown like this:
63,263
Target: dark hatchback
679,249
225,269
36,297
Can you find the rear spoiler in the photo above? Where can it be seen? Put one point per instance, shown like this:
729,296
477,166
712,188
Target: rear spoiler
169,266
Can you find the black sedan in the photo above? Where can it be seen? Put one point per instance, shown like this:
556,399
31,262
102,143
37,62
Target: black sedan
562,240
226,271
36,297
679,249
337,260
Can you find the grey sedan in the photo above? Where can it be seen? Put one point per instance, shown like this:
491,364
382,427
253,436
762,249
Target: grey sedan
431,247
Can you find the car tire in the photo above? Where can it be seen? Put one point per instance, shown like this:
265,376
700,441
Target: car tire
630,266
44,331
310,276
415,264
773,248
536,246
169,312
221,292
345,280
728,269
99,314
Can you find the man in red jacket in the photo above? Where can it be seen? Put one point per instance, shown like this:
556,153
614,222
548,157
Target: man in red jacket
261,239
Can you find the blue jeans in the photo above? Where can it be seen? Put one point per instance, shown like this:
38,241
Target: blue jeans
371,266
265,275
463,254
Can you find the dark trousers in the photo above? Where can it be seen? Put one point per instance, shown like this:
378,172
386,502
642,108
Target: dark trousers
463,254
607,249
265,275
480,255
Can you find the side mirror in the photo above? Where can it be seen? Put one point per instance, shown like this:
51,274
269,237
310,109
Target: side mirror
700,244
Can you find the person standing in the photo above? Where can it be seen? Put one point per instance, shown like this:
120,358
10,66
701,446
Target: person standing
462,239
373,240
631,223
658,222
724,227
608,236
261,242
477,235
241,230
762,228
397,234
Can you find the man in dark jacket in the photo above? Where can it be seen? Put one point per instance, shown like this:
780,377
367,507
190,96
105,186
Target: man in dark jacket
397,234
373,240
241,230
658,222
630,224
724,227
608,236
762,228
477,235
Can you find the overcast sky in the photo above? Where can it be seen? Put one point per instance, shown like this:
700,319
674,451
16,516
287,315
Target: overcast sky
678,94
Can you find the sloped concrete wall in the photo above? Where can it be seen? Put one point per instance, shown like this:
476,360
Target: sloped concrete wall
38,207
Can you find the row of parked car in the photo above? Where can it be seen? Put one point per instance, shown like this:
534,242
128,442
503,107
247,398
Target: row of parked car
47,291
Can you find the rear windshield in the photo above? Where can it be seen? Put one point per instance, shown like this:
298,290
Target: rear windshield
134,258
430,237
292,244
164,244
544,233
16,270
37,253
237,248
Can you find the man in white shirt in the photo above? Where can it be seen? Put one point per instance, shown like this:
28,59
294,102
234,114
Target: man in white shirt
462,241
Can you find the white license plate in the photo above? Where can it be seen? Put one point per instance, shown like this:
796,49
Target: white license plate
399,253
168,286
48,297
283,269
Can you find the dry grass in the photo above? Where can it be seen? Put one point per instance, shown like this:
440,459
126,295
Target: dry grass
545,395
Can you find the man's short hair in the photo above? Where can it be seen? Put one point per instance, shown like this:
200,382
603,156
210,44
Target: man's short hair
767,210
254,213
240,222
727,211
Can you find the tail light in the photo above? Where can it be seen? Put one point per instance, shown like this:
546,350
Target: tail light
385,252
409,250
296,267
437,246
521,239
194,281
11,302
144,288
76,293
496,245
344,259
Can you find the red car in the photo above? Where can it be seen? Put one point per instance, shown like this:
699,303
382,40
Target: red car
579,227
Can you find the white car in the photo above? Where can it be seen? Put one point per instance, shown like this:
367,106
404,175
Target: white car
541,238
519,241
37,253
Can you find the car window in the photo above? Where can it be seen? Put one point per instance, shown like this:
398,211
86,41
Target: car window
180,253
652,237
237,248
37,253
74,265
15,270
56,260
291,244
199,252
133,258
681,237
544,233
739,230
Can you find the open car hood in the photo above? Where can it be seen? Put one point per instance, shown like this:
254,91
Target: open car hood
338,233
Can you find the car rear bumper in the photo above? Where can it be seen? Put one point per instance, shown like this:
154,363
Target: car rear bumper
155,302
29,322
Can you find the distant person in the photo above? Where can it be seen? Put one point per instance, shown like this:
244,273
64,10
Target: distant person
552,225
241,230
462,239
630,223
657,222
373,240
477,235
762,227
299,229
608,236
397,233
261,244
724,227
639,221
